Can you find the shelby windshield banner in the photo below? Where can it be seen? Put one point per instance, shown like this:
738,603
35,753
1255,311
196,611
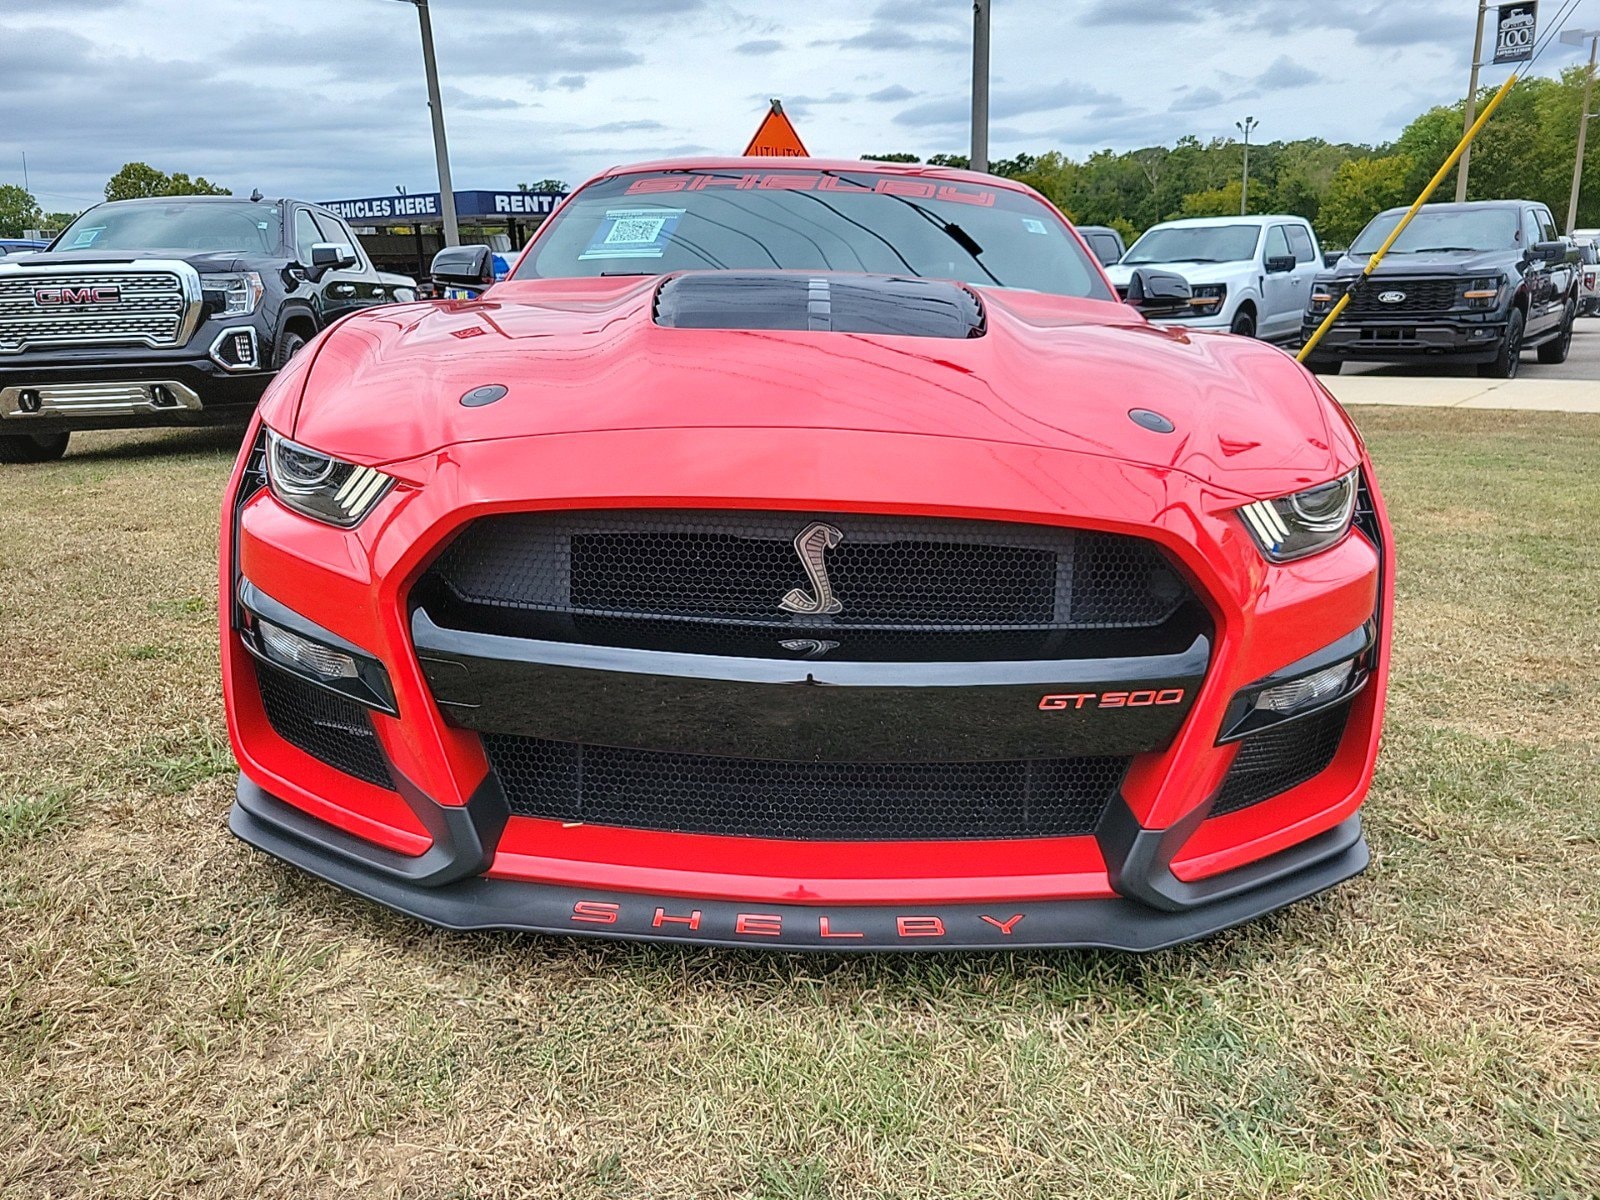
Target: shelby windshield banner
1514,32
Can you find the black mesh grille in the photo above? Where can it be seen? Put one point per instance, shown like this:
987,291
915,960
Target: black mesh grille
690,793
331,729
708,582
1421,296
1271,762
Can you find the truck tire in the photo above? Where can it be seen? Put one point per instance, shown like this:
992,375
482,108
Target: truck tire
32,447
1555,350
1505,363
1323,366
1244,323
288,346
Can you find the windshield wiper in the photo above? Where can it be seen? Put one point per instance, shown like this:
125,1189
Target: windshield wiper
1440,249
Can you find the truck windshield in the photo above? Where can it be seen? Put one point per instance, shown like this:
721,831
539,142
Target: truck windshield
239,227
1195,243
753,218
1463,229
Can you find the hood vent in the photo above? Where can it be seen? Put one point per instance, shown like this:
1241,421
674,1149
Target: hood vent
882,304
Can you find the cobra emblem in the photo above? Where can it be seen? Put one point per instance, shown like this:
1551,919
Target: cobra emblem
808,647
812,545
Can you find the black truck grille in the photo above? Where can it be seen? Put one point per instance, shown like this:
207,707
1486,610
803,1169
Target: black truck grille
1271,762
704,794
1421,296
907,588
327,727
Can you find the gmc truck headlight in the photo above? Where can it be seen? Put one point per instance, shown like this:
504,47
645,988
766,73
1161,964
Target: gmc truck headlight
319,486
239,293
1206,298
1292,527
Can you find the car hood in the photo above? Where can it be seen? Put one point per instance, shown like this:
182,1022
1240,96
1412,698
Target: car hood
581,356
1435,262
1194,272
202,261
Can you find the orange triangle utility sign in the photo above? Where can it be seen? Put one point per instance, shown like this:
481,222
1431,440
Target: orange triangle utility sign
776,137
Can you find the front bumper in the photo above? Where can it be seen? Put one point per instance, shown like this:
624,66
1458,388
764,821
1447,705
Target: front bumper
475,902
442,843
42,393
1467,340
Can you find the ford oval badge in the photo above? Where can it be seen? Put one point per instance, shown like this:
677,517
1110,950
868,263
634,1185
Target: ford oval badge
1391,297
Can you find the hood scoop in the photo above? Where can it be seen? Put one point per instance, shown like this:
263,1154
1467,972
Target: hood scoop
881,304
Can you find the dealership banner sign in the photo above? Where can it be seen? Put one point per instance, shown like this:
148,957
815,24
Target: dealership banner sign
1514,32
475,203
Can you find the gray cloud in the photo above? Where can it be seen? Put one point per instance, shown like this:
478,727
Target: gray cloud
1195,99
1006,103
1285,73
759,46
893,92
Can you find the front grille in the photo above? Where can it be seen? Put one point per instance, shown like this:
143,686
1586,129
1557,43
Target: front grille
1271,762
327,727
150,311
830,801
908,588
1421,296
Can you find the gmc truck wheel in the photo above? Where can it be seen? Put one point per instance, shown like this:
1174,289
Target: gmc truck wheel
288,346
1504,364
1555,350
33,447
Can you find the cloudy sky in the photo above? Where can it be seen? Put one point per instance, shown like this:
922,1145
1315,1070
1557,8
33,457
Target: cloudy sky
324,98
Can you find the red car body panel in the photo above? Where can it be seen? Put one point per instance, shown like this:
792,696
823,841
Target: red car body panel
607,410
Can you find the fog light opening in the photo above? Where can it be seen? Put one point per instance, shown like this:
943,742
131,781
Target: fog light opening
289,649
1284,699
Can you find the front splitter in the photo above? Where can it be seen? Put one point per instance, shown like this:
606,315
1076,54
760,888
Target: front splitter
480,903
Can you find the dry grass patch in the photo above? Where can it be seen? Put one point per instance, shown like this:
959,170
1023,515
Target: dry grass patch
180,1016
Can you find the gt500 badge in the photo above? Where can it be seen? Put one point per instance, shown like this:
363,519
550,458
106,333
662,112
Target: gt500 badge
1143,699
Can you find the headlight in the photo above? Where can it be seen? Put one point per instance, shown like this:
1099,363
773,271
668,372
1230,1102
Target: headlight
1324,295
1482,293
1292,527
320,486
1206,298
239,293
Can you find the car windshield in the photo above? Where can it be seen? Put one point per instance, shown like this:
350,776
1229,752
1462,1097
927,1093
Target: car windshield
240,226
1462,229
1195,243
754,218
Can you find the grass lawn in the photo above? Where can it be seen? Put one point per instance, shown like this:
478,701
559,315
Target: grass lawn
180,1015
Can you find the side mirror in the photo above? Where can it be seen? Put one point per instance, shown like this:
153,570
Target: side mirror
329,256
1158,293
1330,258
463,267
1280,263
1550,252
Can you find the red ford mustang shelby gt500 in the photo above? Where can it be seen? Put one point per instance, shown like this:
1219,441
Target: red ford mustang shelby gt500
814,555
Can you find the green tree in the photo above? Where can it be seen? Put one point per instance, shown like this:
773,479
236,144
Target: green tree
58,220
137,179
894,158
1360,190
1221,201
18,211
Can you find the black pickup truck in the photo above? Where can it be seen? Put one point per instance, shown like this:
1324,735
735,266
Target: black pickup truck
1476,283
169,311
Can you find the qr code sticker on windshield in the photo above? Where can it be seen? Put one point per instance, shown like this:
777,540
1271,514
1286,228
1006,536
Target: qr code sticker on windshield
634,230
633,233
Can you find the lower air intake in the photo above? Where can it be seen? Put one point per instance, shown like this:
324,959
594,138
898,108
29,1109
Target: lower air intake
332,730
1271,762
831,801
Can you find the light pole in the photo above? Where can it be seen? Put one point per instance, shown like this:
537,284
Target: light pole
447,195
1575,37
979,159
1472,103
1244,127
